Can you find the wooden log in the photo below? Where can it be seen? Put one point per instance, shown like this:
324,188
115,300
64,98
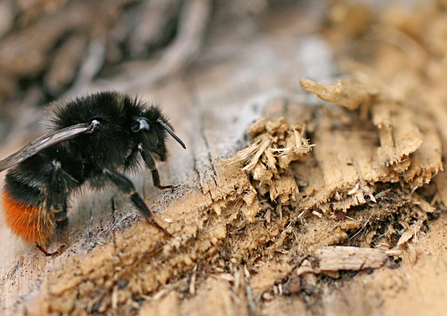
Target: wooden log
233,253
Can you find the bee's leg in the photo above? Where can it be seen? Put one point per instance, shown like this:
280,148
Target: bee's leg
128,190
62,235
52,254
57,206
133,157
62,238
150,164
46,253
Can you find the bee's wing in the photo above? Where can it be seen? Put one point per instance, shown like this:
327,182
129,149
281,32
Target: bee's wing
45,141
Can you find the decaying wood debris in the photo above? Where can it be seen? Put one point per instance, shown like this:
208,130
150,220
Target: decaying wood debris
354,165
351,258
275,146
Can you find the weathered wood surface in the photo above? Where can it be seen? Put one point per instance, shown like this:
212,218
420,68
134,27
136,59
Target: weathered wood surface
244,71
210,108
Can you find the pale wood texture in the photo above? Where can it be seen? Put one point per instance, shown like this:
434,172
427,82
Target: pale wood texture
222,259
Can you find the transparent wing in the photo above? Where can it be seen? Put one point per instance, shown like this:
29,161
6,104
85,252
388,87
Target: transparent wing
45,141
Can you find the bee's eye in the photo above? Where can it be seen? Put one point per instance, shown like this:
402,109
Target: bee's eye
139,124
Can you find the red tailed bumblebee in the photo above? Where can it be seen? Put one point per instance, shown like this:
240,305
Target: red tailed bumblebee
92,140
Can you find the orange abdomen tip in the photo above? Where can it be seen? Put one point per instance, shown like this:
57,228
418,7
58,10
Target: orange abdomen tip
31,223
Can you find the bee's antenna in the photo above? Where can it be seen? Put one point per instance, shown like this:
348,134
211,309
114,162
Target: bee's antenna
171,132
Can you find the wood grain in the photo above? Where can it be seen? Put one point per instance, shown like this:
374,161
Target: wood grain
227,257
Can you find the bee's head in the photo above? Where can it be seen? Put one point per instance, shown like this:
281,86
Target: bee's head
154,127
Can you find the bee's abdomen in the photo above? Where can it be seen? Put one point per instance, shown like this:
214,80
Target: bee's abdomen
25,213
27,221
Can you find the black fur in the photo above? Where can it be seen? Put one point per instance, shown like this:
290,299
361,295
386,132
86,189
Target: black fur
127,133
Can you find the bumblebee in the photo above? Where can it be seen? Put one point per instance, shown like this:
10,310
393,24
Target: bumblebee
92,141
